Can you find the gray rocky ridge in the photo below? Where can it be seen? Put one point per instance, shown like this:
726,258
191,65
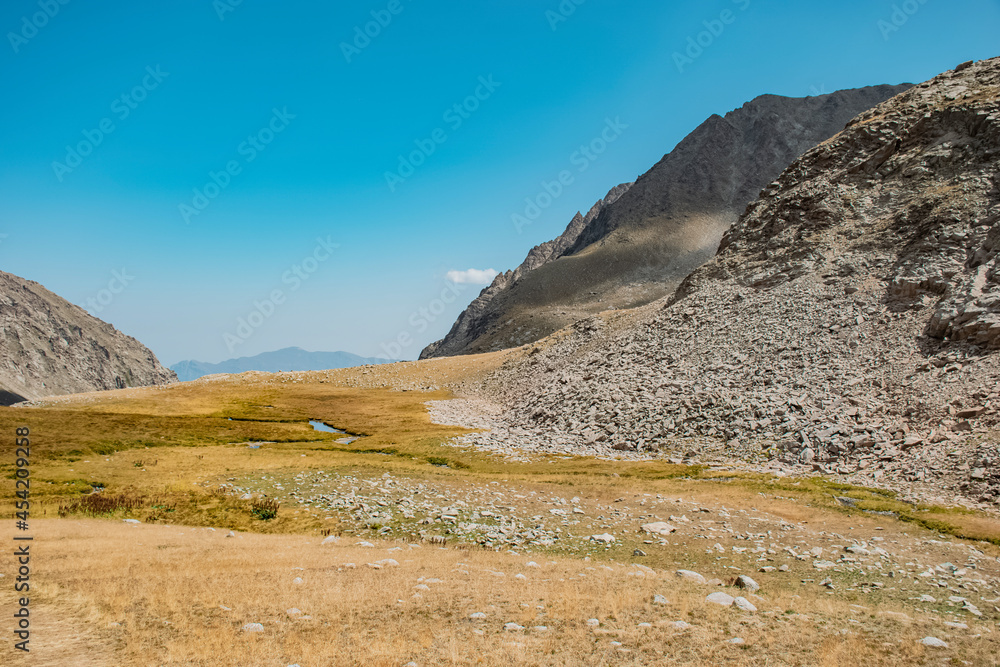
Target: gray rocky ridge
52,347
642,239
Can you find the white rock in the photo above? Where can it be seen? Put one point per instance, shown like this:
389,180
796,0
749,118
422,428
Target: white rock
691,576
253,627
478,616
720,598
933,642
605,538
332,539
658,528
680,625
744,604
131,521
512,627
593,622
659,599
735,640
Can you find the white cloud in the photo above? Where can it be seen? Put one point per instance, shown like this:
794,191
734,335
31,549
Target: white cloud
472,276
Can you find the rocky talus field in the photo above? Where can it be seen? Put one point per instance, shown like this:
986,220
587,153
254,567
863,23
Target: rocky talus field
849,325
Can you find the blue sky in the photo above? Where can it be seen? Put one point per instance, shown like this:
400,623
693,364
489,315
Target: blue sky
298,133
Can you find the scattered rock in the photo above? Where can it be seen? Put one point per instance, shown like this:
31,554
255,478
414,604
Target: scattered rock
720,598
691,576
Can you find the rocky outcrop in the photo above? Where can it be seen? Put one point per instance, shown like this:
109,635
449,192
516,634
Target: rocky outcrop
51,346
847,324
639,242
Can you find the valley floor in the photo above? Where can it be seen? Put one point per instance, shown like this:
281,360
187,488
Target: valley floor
402,548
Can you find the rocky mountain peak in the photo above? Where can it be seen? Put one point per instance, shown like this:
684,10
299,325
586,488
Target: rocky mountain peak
639,242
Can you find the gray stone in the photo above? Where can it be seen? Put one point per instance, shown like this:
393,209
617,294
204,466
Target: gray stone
720,598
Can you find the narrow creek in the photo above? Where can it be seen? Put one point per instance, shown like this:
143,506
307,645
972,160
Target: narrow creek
326,428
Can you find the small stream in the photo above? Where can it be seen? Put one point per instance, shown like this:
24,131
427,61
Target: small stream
326,428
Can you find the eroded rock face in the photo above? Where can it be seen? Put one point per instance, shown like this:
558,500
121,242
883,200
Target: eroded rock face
917,179
847,324
642,239
51,347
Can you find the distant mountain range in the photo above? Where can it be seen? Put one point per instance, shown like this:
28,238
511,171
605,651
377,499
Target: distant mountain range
288,359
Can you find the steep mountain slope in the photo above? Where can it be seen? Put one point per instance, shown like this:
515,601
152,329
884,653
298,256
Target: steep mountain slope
475,321
51,346
287,359
638,246
849,323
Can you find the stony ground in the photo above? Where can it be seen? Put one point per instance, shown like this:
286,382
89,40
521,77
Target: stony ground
758,560
953,577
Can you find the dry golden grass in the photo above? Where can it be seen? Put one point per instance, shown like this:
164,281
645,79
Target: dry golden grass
164,584
111,593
